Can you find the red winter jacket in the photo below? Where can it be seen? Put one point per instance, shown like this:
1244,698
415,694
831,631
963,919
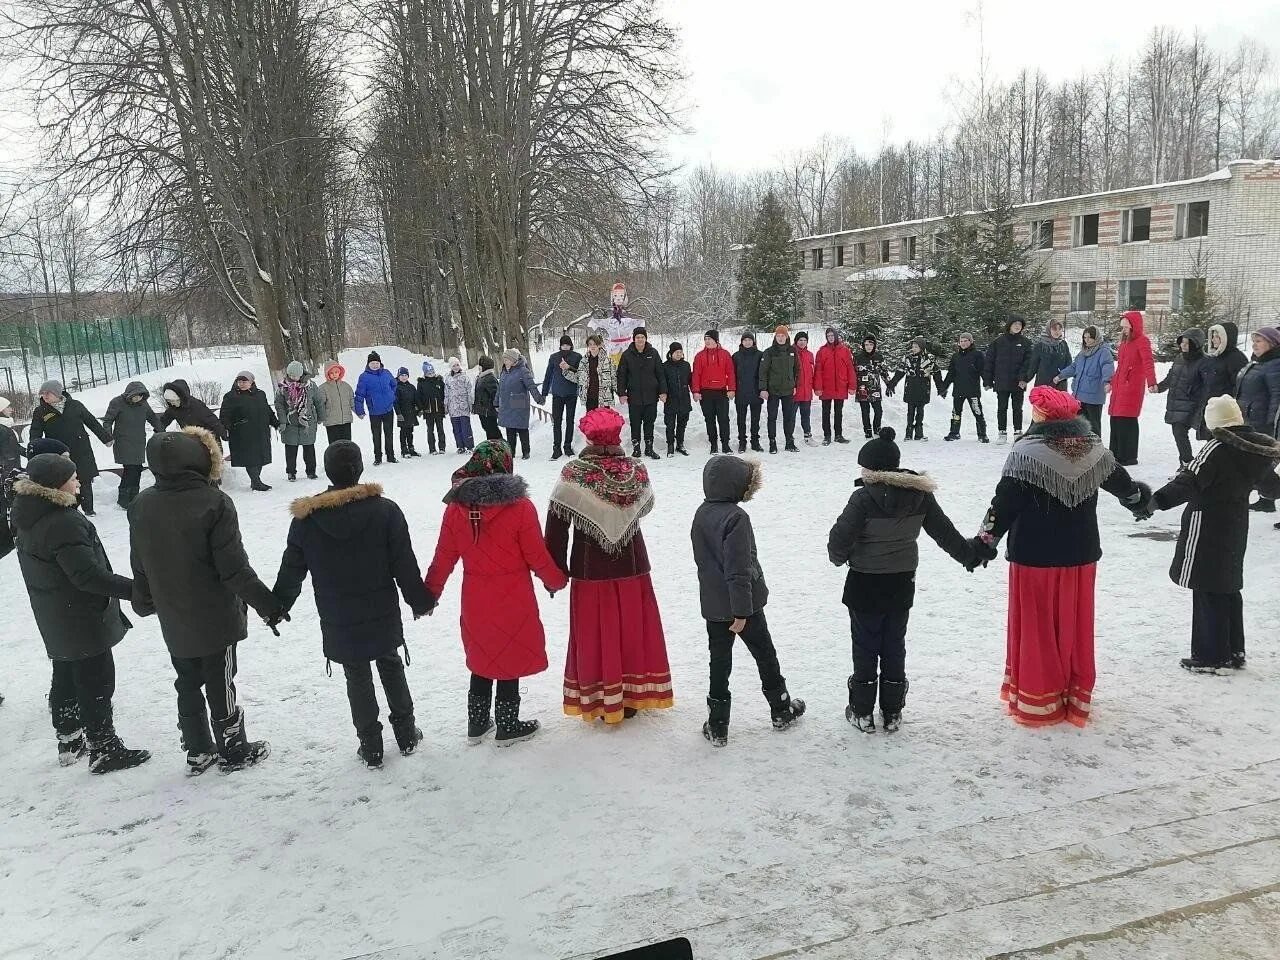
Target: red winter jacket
804,385
713,370
1135,371
492,526
833,371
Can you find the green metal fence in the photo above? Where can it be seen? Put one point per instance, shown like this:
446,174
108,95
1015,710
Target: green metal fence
81,353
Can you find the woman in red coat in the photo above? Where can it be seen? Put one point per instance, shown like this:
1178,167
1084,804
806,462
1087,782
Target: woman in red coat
617,660
804,385
832,377
492,526
1135,376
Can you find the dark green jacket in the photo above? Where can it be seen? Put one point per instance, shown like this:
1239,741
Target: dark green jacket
779,369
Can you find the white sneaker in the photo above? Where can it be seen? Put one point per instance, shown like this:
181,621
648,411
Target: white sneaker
1003,438
810,442
922,438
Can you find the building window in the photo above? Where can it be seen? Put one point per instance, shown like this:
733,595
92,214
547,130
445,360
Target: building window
1084,296
1135,225
884,251
860,254
1044,295
1042,234
1084,230
817,258
1131,295
1185,291
907,248
1193,219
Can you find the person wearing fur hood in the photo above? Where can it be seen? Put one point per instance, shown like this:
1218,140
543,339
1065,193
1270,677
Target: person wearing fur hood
876,537
1047,503
617,659
1223,362
492,526
354,542
1209,558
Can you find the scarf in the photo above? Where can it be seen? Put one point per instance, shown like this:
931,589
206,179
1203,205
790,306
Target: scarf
604,494
7,422
60,405
1061,460
295,398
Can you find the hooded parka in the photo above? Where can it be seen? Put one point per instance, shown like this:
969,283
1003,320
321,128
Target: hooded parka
127,423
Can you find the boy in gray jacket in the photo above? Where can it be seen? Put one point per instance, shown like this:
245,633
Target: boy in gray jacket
732,592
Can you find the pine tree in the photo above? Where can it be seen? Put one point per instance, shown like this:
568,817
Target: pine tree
769,270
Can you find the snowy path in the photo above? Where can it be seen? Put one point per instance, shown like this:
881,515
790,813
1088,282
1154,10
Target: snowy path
1155,832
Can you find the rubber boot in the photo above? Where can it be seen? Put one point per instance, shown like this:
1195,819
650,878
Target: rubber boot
716,729
893,696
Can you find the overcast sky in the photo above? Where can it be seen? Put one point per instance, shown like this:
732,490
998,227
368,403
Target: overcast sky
768,76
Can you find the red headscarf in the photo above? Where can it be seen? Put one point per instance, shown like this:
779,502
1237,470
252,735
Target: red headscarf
1055,404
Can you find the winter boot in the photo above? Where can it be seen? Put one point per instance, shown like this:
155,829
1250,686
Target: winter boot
742,445
651,453
782,709
1204,666
681,450
1262,505
125,496
198,742
755,447
671,450
826,441
259,486
841,438
311,475
408,736
862,700
725,448
391,457
568,450
71,747
791,447
635,451
377,459
867,434
107,753
773,446
716,729
1238,662
479,721
893,695
370,749
235,750
556,454
951,436
982,430
511,729
293,477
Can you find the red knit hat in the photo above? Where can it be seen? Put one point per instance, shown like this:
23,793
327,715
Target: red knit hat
602,427
1055,404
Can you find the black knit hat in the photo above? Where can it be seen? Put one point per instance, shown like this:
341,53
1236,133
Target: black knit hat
373,355
746,335
712,335
50,470
881,453
639,331
801,336
486,363
566,341
343,463
675,345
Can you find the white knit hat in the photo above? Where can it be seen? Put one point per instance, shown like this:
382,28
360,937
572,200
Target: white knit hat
4,404
1222,412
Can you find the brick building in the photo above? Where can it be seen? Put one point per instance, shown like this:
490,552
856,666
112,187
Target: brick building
1134,248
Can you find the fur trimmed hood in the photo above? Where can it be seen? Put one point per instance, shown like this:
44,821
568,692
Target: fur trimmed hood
304,507
730,479
29,488
183,456
906,479
492,490
1242,438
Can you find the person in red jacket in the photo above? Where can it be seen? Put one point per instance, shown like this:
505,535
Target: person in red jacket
804,386
713,386
832,377
1135,375
492,526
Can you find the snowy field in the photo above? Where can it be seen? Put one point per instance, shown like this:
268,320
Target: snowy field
1154,832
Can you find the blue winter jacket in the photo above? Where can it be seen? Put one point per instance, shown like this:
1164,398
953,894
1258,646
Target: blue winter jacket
515,387
1090,373
377,388
554,383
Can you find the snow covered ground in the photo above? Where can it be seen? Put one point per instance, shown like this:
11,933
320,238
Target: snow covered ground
1154,832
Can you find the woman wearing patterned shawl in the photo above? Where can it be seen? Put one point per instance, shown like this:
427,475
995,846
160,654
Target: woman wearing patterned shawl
1047,502
617,659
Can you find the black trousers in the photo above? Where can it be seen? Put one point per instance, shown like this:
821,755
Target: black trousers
788,405
255,474
643,417
562,413
291,459
516,435
915,420
743,406
132,478
1124,440
826,417
1005,398
879,644
755,637
364,699
435,431
1217,626
490,424
406,438
210,679
868,406
339,431
715,410
805,409
676,424
508,690
86,496
1182,440
80,693
1093,413
382,425
975,407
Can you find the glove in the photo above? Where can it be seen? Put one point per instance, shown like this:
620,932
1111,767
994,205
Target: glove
983,553
274,619
889,391
1140,503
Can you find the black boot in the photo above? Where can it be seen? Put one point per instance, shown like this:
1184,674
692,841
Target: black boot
862,700
106,752
893,696
982,431
71,747
408,736
791,447
511,729
716,729
724,446
651,453
841,438
479,720
370,749
671,449
555,453
681,450
568,450
635,451
259,486
755,447
773,446
782,708
235,750
197,740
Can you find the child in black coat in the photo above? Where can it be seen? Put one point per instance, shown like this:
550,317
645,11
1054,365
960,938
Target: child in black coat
675,412
406,411
918,368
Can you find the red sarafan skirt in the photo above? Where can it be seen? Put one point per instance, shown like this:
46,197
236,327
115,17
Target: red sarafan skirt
1049,670
617,656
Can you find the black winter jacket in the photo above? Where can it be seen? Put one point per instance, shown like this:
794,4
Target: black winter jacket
190,412
730,581
249,420
877,534
964,374
71,426
1257,390
484,403
1010,360
355,544
127,422
641,378
189,565
431,395
1223,364
679,375
1215,524
1185,382
75,596
1049,356
406,404
10,450
918,369
746,373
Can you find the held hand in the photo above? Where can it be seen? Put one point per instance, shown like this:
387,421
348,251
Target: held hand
564,365
764,394
1153,390
731,394
738,625
1057,379
697,398
622,398
1108,387
1022,384
360,415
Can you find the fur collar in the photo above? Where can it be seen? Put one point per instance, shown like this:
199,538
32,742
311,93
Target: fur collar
211,444
1249,441
29,488
304,507
906,479
492,490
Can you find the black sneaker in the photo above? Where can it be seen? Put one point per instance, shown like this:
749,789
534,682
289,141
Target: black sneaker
568,451
682,451
791,448
635,451
867,434
391,459
951,436
293,478
984,439
377,461
826,441
843,439
1261,505
259,486
651,453
742,446
312,476
755,447
1238,661
555,454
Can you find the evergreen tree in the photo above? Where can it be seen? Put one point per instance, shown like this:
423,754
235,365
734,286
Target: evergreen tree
1199,303
769,270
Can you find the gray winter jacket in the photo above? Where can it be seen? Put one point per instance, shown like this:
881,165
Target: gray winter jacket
299,430
730,581
336,398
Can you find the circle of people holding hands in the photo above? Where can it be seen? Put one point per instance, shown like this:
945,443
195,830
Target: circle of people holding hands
190,570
